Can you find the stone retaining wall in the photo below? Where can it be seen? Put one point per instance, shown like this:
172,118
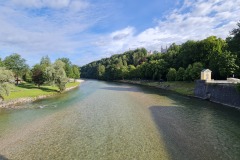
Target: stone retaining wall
226,94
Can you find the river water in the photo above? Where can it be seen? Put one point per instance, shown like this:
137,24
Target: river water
102,120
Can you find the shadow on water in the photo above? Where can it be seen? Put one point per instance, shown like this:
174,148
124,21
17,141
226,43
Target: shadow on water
200,133
3,158
192,128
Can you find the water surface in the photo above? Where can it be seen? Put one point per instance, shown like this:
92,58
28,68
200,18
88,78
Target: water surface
103,120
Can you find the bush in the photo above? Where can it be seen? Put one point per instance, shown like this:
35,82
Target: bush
187,74
180,74
172,73
196,70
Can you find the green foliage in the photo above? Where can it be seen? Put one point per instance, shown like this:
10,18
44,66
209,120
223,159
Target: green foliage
123,72
56,75
234,40
220,56
6,81
195,72
187,74
27,77
226,63
180,74
100,71
171,75
1,63
60,78
76,72
45,62
17,64
67,67
38,76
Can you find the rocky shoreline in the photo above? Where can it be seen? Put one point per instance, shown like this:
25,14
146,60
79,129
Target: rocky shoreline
16,103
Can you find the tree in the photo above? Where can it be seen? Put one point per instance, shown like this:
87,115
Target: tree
28,76
56,75
171,75
50,75
60,77
1,63
227,65
67,67
123,72
187,74
17,64
233,45
195,72
188,53
38,76
132,71
180,74
234,41
76,72
45,62
100,71
6,81
212,47
155,69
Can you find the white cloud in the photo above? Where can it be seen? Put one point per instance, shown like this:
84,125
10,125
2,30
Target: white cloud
40,27
41,32
195,20
122,34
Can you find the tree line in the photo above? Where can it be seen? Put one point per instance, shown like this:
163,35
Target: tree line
14,69
180,63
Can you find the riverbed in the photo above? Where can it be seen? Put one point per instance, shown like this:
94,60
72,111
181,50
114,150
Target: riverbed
103,120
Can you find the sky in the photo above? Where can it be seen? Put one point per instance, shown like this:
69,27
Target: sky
88,30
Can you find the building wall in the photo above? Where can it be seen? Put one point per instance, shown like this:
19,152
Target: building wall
221,93
206,76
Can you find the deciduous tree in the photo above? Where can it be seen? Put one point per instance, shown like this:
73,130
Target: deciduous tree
6,81
17,64
171,75
38,76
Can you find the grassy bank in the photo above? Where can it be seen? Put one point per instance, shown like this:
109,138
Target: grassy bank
185,88
30,90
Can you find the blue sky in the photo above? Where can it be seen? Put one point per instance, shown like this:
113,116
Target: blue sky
87,30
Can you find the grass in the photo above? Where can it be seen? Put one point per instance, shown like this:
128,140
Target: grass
24,90
185,88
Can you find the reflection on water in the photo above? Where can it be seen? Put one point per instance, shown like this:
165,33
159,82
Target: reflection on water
104,120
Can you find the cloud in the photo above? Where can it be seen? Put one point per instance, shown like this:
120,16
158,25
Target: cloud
73,28
122,34
41,31
195,20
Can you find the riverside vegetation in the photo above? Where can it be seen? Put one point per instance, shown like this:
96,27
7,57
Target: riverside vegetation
42,79
180,63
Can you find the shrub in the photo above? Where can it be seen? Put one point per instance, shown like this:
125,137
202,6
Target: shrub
171,75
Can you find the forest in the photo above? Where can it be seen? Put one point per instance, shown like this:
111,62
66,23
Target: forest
182,62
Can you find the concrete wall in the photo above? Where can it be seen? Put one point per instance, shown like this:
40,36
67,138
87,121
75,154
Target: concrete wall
221,93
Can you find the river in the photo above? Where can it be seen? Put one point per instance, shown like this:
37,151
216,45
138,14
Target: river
102,120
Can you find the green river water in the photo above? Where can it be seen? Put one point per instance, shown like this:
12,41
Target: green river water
102,120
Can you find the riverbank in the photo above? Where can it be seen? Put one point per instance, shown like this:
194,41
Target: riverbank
188,89
27,92
184,88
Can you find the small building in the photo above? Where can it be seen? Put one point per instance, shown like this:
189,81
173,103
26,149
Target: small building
206,75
